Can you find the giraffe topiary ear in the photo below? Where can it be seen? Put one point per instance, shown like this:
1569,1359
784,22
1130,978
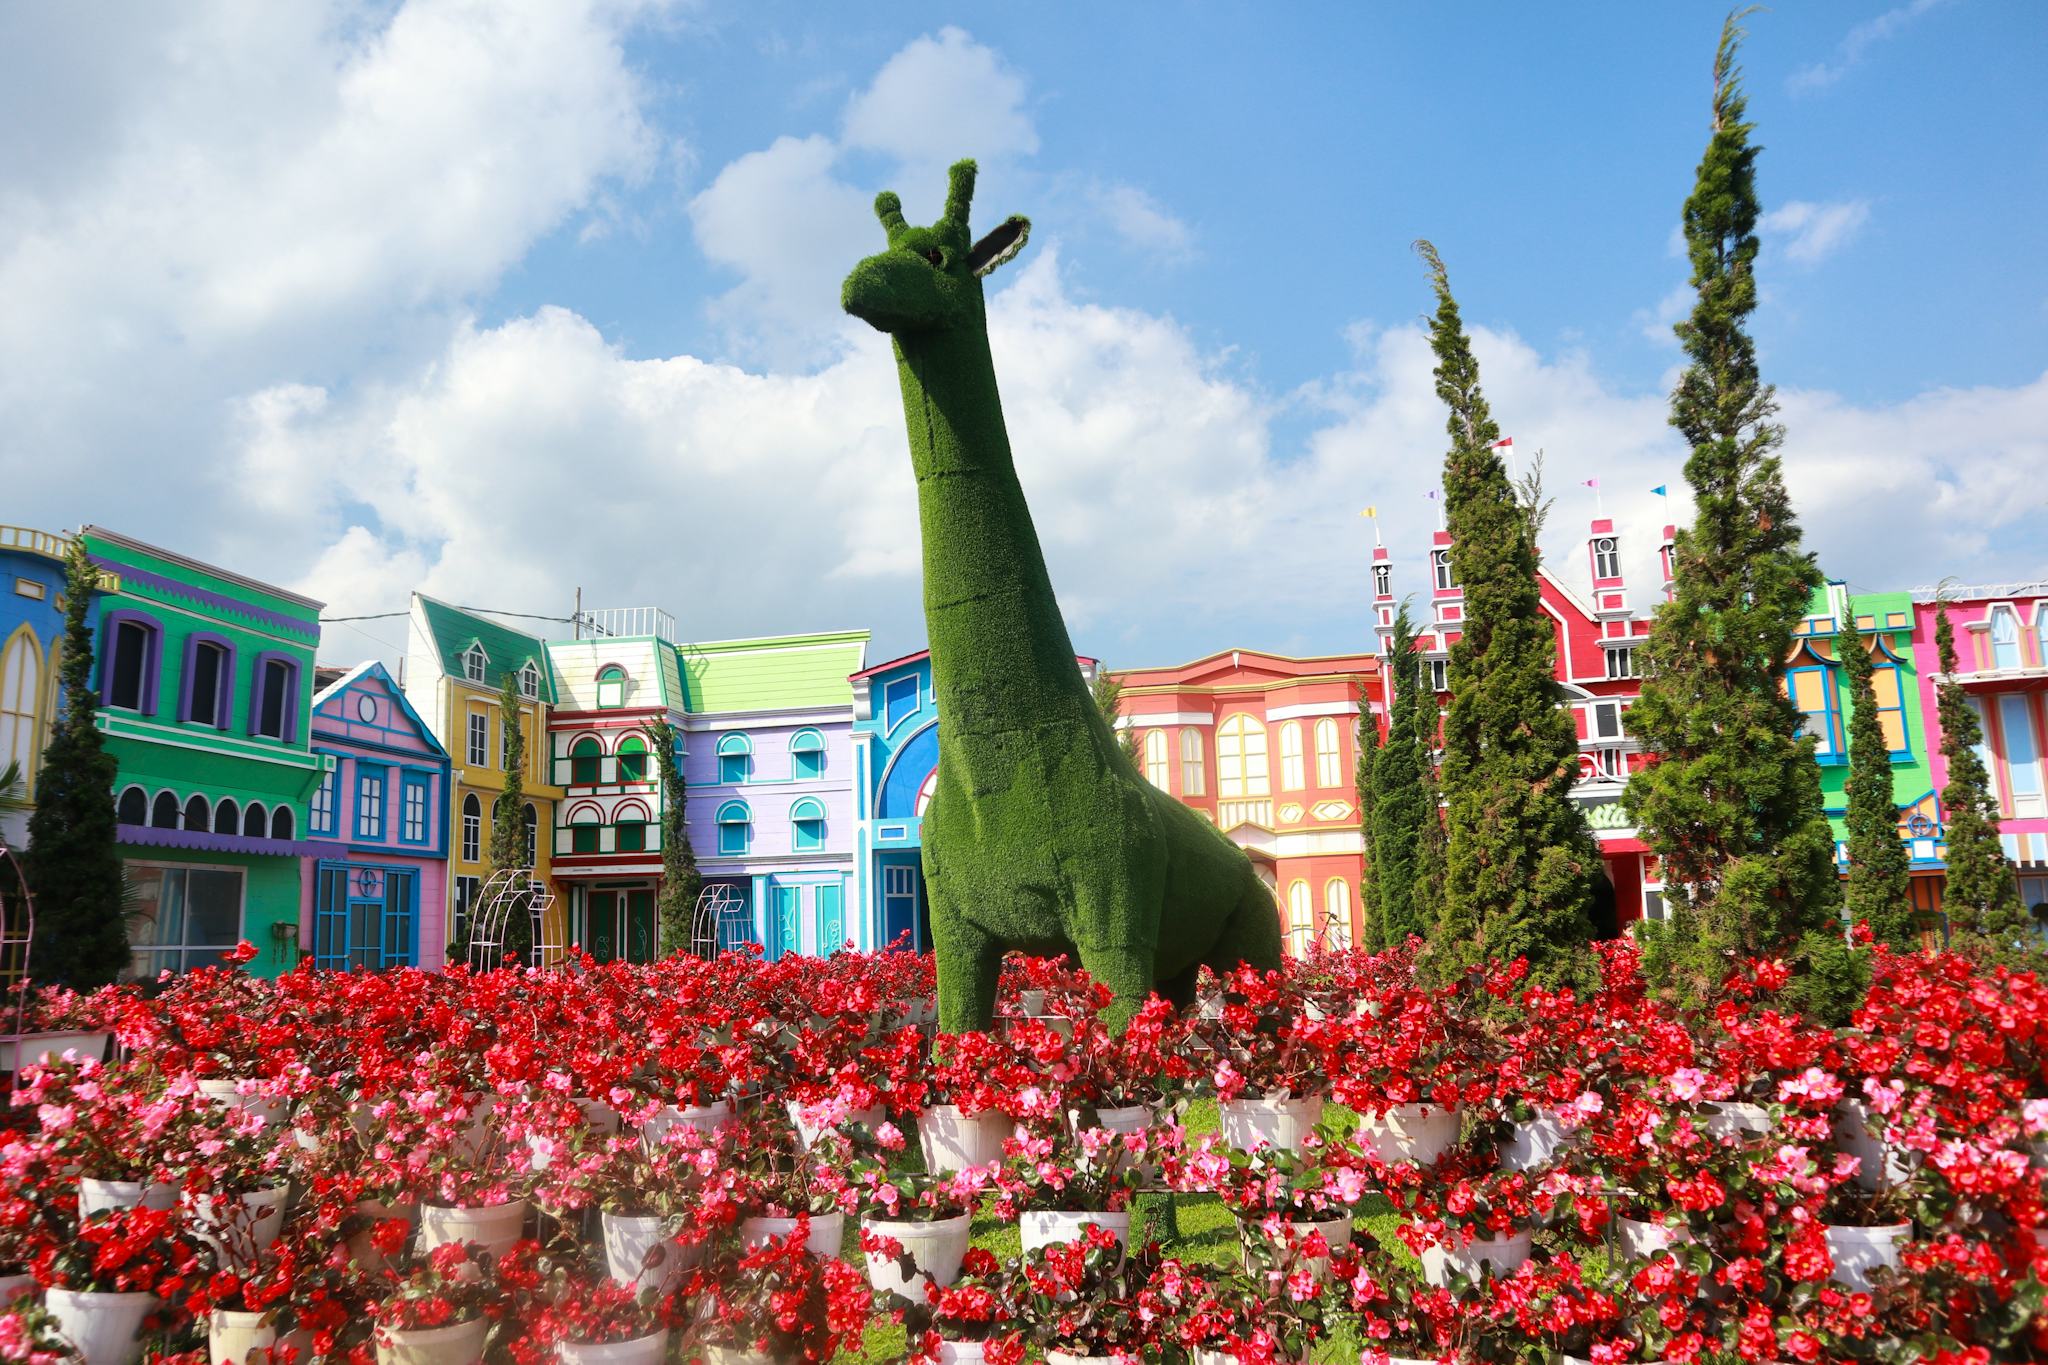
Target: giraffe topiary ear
1000,245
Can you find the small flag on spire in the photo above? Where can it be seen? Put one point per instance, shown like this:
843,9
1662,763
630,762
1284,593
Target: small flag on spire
1370,512
1661,491
1593,483
1432,494
1504,443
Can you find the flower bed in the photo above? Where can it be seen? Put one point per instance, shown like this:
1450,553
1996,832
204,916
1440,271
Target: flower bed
721,1161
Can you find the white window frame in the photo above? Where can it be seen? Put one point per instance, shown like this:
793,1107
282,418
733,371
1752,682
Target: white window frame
1193,778
241,876
1626,654
1293,770
1329,755
1158,767
1606,558
479,750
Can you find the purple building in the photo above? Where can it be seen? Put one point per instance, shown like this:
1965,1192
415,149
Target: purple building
376,894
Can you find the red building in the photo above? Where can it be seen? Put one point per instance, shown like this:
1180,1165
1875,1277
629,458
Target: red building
1266,747
1599,670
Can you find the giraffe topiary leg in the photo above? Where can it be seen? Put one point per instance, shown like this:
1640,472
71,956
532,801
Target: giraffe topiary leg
1251,932
968,960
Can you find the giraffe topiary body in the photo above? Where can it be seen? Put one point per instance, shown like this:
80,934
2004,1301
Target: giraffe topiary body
1041,835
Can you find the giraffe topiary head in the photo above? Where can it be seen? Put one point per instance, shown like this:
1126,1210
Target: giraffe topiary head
929,279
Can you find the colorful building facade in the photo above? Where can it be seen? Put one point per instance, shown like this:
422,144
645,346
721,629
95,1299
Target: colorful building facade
607,835
896,760
31,636
205,685
375,895
1265,746
2001,634
768,766
456,664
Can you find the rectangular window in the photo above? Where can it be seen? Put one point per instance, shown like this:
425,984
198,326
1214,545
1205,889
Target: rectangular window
1329,756
414,829
185,917
479,739
369,803
583,838
274,698
1621,661
807,765
1439,675
899,702
1192,778
1813,693
321,813
631,837
1891,710
1606,720
2022,753
472,831
466,891
732,768
203,687
732,838
130,665
810,835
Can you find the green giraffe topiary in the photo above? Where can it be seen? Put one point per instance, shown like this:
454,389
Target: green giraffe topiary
1040,835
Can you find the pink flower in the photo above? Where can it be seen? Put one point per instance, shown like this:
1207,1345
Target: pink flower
1687,1082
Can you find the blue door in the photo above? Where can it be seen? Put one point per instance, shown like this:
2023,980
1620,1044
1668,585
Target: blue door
831,920
788,927
901,887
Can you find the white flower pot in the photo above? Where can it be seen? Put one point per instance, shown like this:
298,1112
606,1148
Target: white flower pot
1045,1227
808,1132
103,1328
1121,1119
1421,1133
462,1344
1502,1256
494,1227
240,1237
1734,1118
1337,1232
1053,1357
648,1350
99,1196
935,1250
229,1093
1204,1356
1860,1251
1534,1143
14,1286
1642,1239
705,1118
630,1239
237,1338
361,1249
732,1355
1882,1163
40,1049
828,1230
1248,1124
1031,1003
960,1352
953,1140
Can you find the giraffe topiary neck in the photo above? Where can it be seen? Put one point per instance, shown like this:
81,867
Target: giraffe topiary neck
981,559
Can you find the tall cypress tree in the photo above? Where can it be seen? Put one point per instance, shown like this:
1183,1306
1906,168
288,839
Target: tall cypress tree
1733,804
1982,899
508,819
1108,691
680,880
1368,745
73,864
1519,858
1879,890
1401,800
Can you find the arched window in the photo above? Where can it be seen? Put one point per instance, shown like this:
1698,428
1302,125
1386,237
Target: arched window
611,686
1329,755
629,827
1440,566
1337,913
1606,561
198,815
1292,775
735,758
807,820
472,829
281,823
163,812
735,828
1241,759
632,759
227,816
2005,638
807,756
586,825
21,680
1301,918
1193,781
133,808
1157,767
530,818
586,760
255,819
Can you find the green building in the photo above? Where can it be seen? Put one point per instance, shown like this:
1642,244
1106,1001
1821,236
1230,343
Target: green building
1818,685
205,683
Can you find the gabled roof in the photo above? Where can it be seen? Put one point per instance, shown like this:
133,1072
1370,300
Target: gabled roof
371,668
919,656
506,648
776,673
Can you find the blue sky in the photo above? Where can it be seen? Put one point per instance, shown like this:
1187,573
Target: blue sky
500,300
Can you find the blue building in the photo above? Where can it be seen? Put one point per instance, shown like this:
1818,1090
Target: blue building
896,758
31,627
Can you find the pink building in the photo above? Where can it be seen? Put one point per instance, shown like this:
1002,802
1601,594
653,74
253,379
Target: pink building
2002,663
376,895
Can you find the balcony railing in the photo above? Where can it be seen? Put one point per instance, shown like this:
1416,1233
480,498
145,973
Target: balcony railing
1231,814
626,622
34,541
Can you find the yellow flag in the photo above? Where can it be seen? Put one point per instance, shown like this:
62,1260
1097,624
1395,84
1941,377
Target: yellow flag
1370,512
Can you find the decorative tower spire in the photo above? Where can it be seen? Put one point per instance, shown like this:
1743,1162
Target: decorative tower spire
1610,593
1666,548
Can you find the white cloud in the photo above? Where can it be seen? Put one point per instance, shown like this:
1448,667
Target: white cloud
1143,222
939,99
1856,45
1655,323
1813,232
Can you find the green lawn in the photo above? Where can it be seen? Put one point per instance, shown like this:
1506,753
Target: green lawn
1208,1234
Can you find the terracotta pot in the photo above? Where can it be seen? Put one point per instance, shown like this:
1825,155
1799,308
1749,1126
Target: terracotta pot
827,1234
1860,1251
954,1140
237,1338
1421,1133
494,1227
935,1249
1044,1227
648,1350
461,1344
1498,1256
105,1329
1248,1124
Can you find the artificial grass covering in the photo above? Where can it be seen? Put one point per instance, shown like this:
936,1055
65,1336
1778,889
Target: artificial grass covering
1041,836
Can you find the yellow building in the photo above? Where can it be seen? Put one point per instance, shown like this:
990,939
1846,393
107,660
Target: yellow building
456,664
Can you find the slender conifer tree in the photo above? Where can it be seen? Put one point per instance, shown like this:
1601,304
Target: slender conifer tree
1368,745
508,819
1982,897
680,879
1878,891
1401,801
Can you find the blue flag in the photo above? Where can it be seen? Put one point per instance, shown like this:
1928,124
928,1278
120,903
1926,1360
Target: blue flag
1659,490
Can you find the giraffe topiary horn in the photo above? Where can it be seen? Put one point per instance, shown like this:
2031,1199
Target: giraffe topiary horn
960,192
889,209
